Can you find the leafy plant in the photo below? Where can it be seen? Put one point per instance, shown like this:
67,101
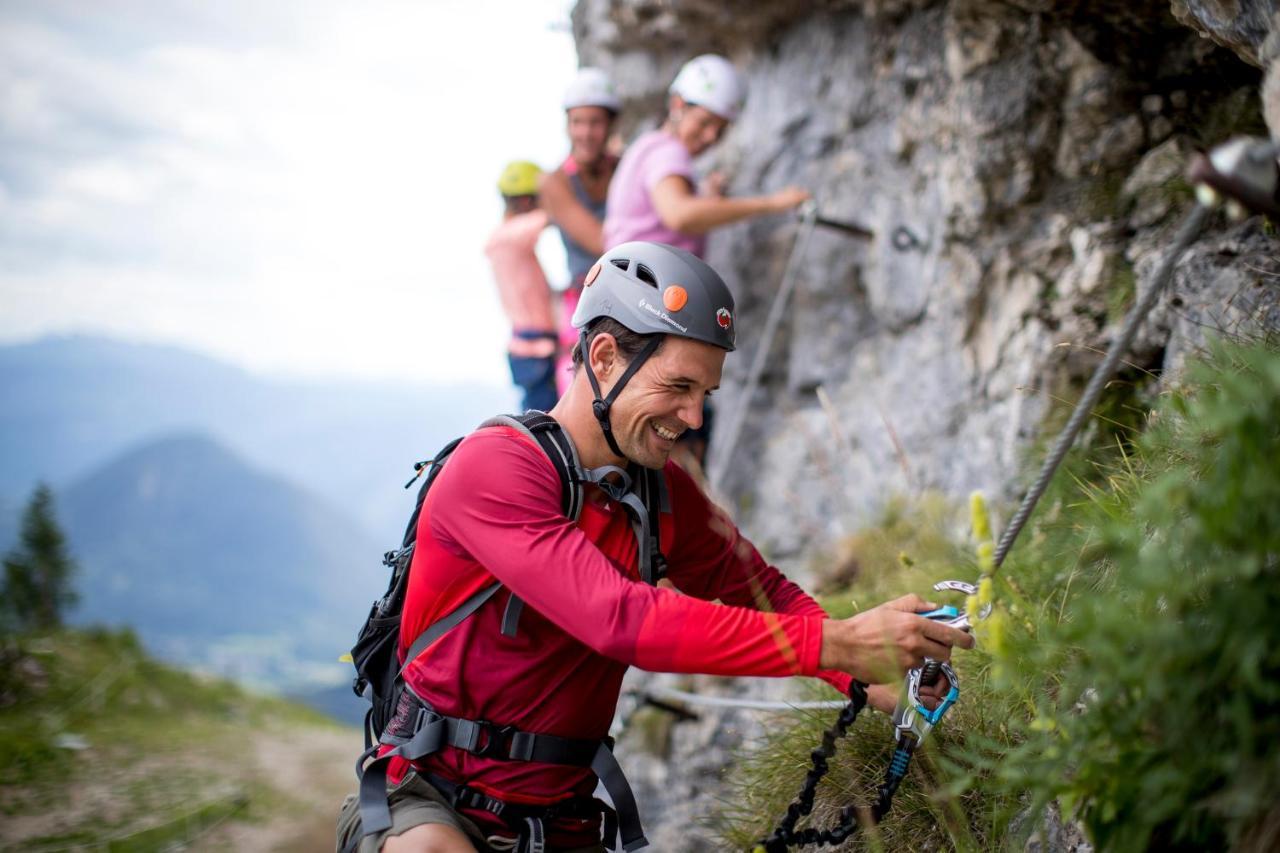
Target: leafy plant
1133,681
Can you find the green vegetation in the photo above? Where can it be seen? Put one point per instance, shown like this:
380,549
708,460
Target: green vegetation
36,588
1121,290
101,745
1133,679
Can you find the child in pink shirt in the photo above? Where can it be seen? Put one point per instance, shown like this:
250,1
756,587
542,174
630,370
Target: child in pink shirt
523,288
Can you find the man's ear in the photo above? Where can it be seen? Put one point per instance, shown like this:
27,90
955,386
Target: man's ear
603,354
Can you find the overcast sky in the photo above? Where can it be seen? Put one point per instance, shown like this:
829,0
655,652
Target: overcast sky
297,186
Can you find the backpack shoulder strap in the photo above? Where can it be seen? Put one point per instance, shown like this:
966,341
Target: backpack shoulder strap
440,627
652,488
555,443
551,437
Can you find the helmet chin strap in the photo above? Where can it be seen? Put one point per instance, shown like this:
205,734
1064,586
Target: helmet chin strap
600,405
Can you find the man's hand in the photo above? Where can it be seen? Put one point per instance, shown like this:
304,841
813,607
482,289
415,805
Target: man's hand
884,697
878,646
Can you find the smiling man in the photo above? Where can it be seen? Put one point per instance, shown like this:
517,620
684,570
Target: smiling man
524,709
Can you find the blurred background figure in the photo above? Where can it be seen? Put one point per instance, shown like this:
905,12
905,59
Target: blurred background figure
574,194
522,285
655,195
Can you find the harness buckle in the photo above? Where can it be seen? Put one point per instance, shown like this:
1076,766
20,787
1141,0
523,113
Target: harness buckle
480,737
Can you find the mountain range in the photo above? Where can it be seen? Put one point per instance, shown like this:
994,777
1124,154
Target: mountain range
236,522
218,565
73,403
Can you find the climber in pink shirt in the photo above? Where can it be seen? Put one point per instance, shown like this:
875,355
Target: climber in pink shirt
655,195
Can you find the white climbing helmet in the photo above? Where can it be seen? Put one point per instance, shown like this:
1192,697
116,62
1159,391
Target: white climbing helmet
591,87
712,82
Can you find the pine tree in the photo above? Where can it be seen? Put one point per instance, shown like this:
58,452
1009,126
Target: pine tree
39,570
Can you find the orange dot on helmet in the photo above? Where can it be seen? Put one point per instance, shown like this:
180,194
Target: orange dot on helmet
675,297
591,275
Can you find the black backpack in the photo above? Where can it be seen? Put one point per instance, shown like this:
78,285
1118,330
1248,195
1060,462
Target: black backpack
379,674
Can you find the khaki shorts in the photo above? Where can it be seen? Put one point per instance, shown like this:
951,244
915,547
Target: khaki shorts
415,802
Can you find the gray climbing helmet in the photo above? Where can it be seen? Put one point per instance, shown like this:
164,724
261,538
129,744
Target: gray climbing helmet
653,288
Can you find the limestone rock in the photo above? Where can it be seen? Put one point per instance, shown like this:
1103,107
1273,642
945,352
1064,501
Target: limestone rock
1241,26
1028,157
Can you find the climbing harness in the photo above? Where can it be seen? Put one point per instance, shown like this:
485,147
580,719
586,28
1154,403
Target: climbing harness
1245,174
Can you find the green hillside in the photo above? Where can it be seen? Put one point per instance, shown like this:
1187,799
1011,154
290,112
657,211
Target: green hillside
101,745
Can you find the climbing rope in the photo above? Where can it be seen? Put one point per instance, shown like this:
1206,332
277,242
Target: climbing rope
668,694
1186,236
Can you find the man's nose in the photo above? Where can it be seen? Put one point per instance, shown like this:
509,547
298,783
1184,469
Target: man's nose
691,413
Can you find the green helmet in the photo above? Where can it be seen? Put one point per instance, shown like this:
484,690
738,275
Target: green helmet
652,289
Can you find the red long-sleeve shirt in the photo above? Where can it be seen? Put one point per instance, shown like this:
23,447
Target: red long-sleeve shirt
494,512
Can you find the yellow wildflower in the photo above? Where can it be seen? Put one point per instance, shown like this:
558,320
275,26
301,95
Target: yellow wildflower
979,518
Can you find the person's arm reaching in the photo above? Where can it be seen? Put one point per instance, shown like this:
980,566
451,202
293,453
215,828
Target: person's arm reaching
498,501
680,209
557,199
711,559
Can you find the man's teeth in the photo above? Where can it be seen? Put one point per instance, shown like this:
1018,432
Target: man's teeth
663,432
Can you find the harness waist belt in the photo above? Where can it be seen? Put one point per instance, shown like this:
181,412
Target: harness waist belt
535,334
417,731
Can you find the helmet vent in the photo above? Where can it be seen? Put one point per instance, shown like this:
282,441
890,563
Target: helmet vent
621,263
646,275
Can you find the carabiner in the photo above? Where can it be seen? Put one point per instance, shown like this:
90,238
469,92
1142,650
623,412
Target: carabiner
911,717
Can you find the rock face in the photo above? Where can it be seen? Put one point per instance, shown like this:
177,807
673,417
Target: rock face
1240,25
1029,156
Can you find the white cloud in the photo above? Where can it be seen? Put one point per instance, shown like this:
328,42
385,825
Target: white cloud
304,188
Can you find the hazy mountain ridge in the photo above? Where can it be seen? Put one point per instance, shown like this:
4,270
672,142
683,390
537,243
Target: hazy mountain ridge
219,565
226,516
72,403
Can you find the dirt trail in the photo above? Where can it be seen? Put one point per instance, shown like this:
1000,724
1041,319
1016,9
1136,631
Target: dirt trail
291,778
313,770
